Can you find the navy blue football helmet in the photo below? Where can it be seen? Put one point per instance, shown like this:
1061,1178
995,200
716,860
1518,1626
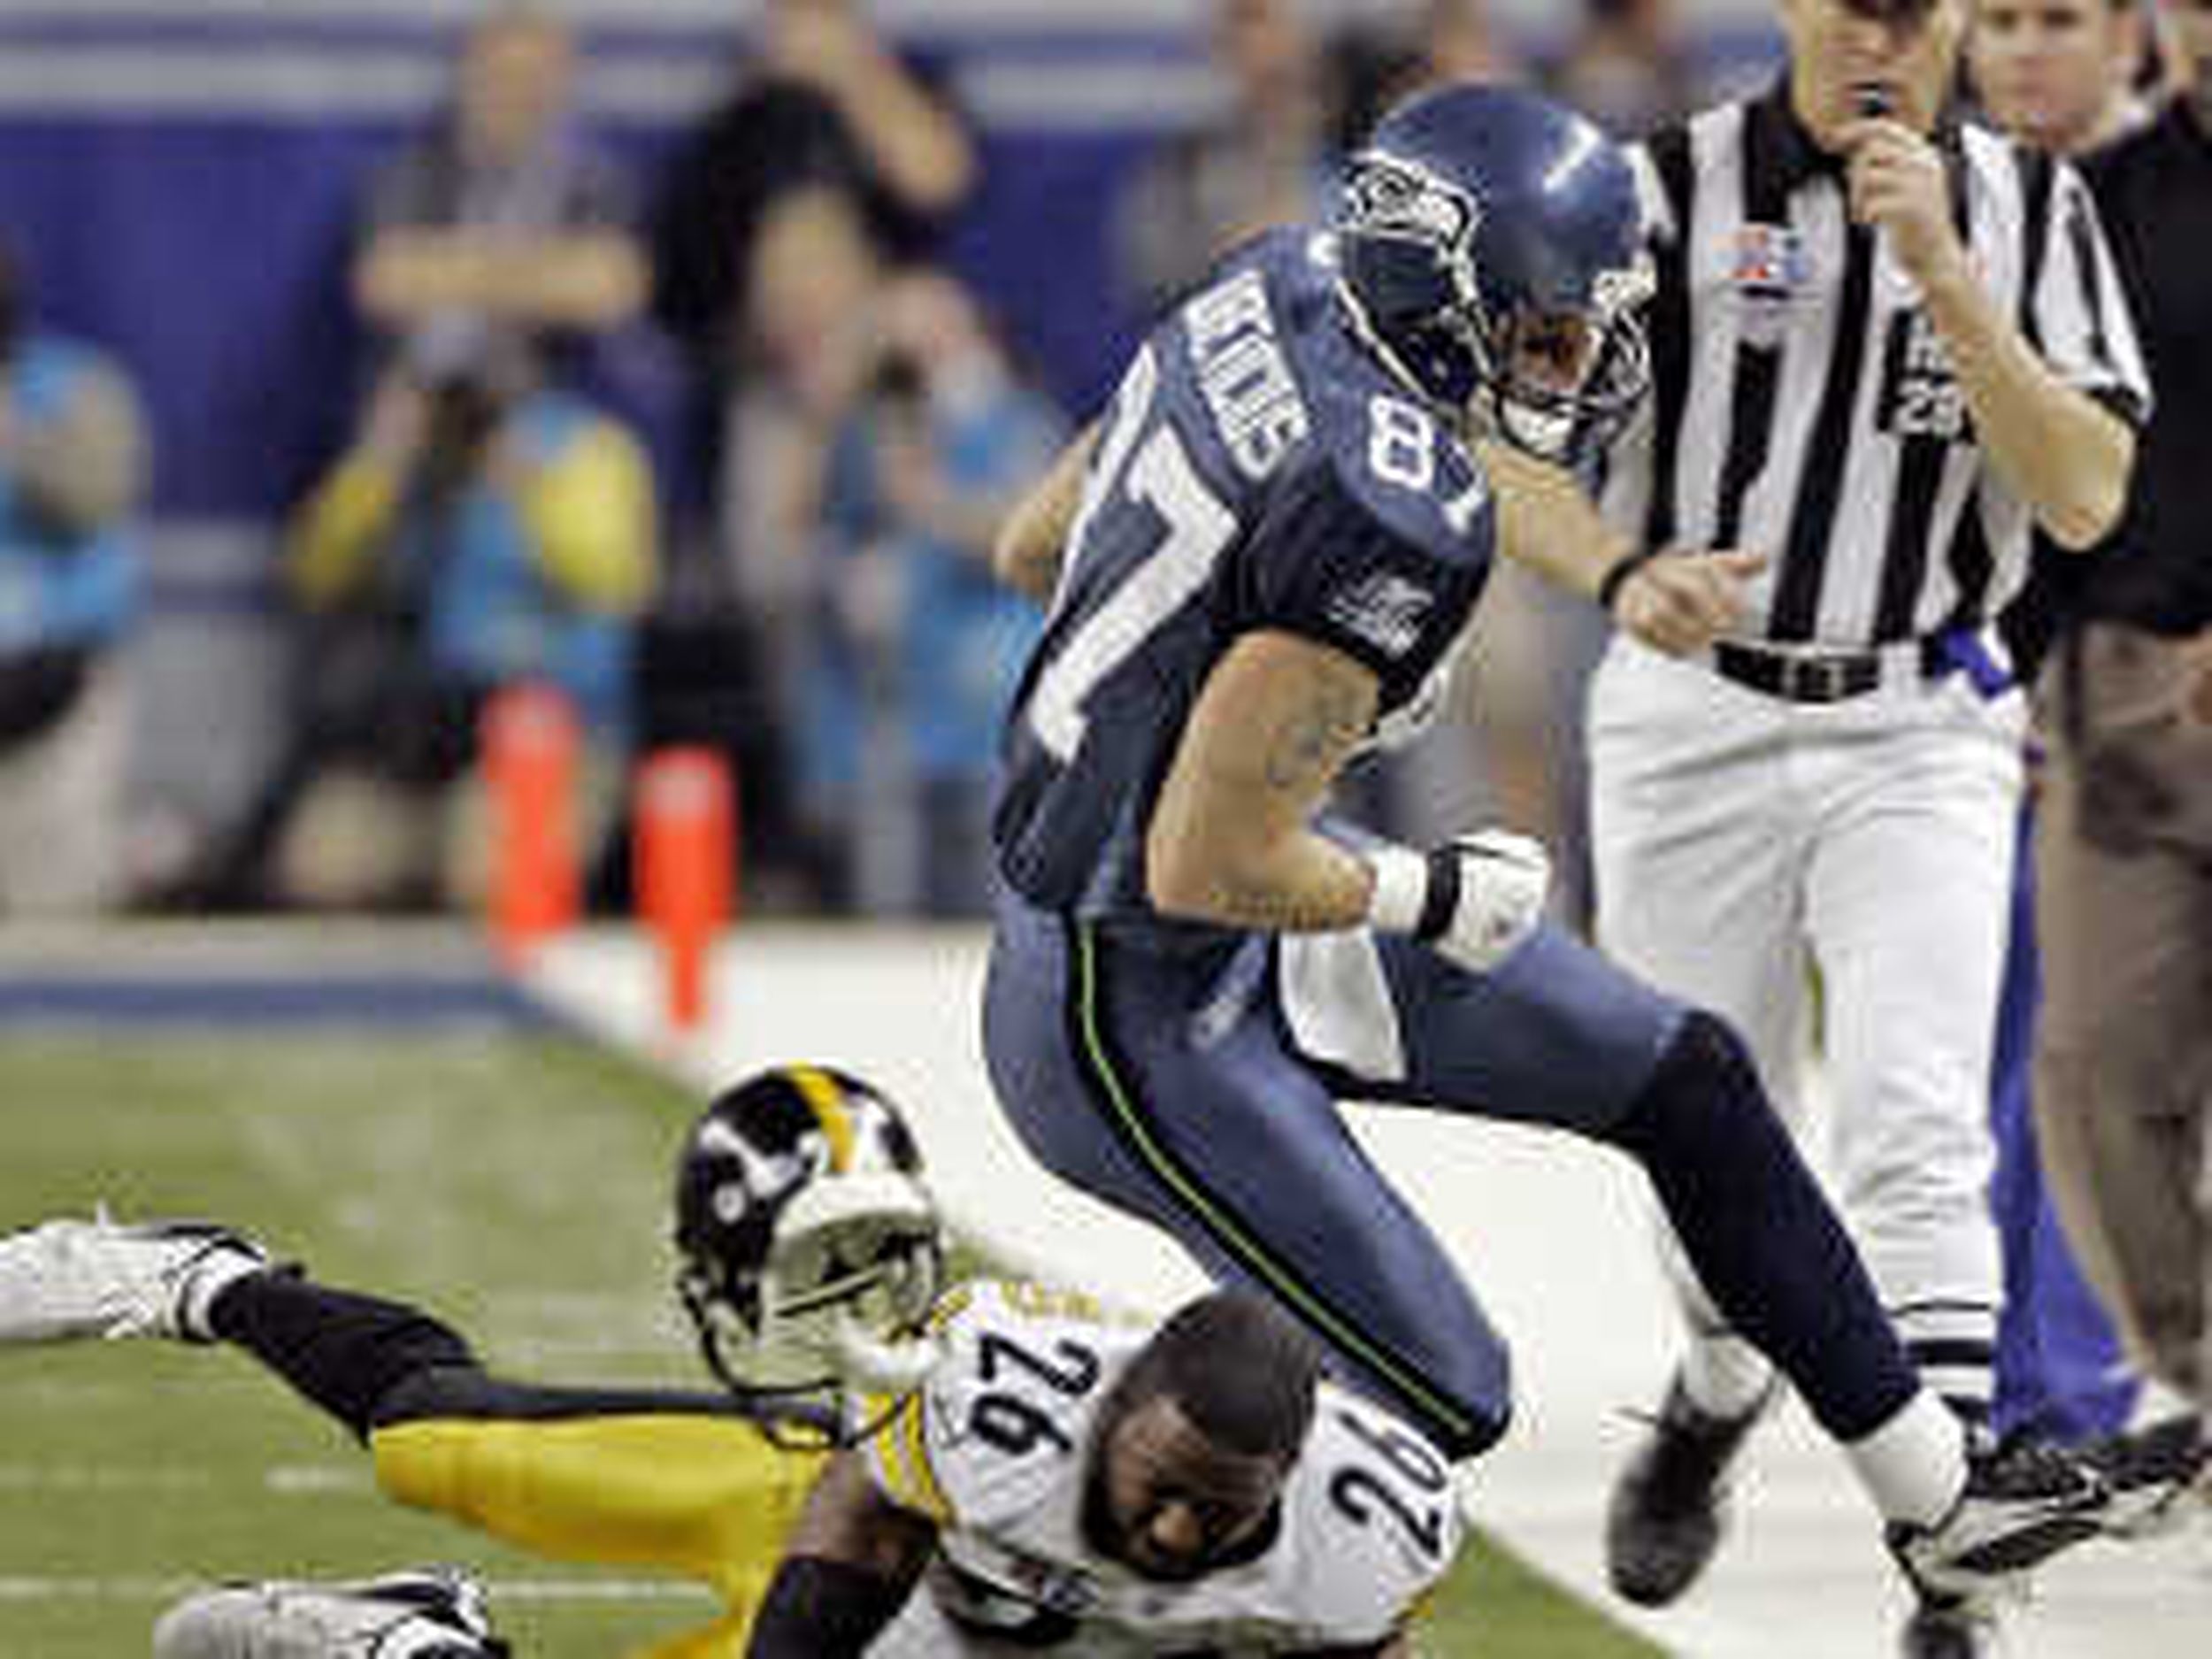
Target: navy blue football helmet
1492,244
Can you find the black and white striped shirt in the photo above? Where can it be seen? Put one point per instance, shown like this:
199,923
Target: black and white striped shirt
1803,405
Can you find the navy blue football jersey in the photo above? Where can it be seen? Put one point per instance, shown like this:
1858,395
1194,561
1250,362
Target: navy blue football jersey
1257,469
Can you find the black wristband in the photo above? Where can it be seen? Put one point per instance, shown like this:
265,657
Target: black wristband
1617,574
1441,900
819,1608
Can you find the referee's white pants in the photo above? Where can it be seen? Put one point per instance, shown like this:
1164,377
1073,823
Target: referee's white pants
1738,838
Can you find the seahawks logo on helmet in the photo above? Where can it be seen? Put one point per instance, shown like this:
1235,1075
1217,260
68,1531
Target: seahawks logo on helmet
1491,246
810,1251
1388,198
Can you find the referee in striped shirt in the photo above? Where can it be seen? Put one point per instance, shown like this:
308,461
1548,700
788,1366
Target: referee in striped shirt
1886,347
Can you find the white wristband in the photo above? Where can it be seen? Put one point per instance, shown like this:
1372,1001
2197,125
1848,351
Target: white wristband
1402,887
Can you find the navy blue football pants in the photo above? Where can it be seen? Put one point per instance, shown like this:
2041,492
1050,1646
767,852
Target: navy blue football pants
1196,1082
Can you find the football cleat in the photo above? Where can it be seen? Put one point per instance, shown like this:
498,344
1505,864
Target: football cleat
421,1613
1669,1507
67,1280
2154,1473
2025,1501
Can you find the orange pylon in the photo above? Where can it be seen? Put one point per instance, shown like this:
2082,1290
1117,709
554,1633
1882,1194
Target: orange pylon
684,853
529,748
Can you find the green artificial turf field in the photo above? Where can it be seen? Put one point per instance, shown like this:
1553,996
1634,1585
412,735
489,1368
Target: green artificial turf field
517,1184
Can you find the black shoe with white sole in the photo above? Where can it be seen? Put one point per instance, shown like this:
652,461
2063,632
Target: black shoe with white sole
1670,1506
2156,1474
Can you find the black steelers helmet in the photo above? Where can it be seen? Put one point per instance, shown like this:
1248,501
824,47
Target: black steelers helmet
810,1251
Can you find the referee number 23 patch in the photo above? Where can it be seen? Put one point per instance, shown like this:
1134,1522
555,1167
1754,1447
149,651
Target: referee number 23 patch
1920,396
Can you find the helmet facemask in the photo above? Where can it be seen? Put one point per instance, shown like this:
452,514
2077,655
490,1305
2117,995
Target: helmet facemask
810,1251
856,1268
839,1306
1566,382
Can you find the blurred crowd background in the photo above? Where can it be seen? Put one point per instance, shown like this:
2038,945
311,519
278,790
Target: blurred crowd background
357,360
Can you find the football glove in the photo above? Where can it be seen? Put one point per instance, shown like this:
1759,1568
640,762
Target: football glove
1486,895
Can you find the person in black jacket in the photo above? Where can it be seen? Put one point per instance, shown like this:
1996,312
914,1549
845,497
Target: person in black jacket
2124,1060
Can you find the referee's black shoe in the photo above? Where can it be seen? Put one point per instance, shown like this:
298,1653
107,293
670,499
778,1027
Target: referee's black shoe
1943,1628
2158,1473
1669,1505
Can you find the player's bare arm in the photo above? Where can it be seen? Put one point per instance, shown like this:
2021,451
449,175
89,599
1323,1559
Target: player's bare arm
2064,453
1678,602
1545,522
1026,554
849,1568
1231,839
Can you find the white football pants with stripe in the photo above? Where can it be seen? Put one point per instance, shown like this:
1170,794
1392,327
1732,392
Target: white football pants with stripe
1845,867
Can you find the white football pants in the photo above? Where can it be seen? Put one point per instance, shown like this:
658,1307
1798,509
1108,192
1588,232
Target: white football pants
1739,838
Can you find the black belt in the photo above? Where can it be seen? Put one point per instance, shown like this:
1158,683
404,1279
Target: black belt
1799,676
1802,676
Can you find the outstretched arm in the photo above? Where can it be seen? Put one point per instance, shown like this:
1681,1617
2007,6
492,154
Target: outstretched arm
1678,601
852,1563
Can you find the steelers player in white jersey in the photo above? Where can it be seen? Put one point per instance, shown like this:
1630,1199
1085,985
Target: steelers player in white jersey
1070,1481
808,1250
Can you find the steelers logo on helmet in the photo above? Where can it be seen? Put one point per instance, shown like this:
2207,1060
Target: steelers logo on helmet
810,1251
1491,246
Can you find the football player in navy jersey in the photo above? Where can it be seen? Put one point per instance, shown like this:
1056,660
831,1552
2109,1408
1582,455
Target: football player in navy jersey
1259,563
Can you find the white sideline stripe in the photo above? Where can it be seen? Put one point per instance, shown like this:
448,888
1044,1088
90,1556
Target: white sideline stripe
19,1588
300,1480
82,1394
33,1587
21,1477
290,1479
529,1353
595,1590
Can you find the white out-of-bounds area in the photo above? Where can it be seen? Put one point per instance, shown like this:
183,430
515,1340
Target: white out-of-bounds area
1552,1233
